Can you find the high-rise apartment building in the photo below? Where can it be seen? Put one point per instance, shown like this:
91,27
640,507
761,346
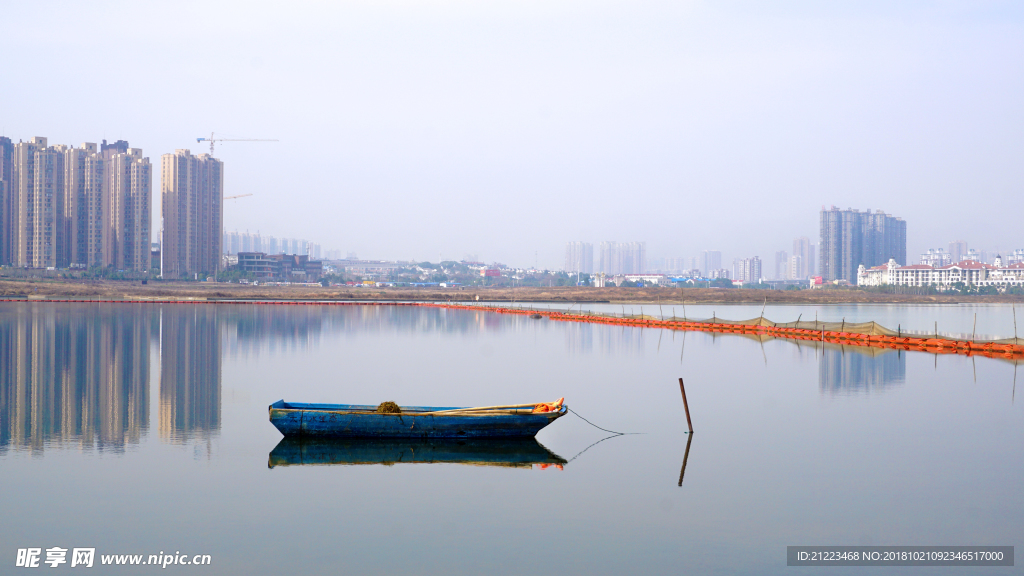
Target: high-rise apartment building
936,257
192,191
782,265
608,258
634,257
976,256
677,265
107,152
803,248
62,206
747,269
129,179
850,238
712,261
579,257
958,250
84,204
623,257
796,267
8,208
107,206
37,173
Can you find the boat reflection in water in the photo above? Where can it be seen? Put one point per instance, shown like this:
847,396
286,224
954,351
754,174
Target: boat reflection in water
510,452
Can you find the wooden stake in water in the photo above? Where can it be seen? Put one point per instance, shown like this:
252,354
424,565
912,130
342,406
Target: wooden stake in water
686,455
974,333
686,406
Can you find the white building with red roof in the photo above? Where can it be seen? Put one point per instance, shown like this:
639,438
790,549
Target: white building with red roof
967,272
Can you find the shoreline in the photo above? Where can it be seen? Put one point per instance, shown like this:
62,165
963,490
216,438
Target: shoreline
202,291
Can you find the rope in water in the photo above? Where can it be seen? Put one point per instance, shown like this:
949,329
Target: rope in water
591,446
596,426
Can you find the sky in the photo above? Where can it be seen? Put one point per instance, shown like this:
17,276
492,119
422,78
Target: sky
439,129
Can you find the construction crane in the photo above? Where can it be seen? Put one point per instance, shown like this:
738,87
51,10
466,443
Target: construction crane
211,140
238,196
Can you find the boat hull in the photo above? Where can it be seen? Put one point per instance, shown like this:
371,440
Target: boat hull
360,421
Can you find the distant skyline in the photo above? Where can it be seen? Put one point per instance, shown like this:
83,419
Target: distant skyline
506,129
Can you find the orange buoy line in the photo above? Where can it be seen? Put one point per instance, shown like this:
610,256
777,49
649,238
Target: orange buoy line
924,344
932,345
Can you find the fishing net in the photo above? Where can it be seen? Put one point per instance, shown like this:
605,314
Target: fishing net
388,408
866,328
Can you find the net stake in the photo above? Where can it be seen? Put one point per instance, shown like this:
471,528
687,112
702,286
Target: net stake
686,406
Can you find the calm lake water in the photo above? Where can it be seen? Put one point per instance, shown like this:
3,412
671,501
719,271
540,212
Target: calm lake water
142,429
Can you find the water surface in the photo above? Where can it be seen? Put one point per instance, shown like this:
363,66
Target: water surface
140,429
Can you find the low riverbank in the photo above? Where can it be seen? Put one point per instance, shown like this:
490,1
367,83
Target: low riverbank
154,290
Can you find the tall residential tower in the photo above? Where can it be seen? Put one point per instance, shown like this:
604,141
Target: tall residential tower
8,208
579,257
62,206
803,249
623,258
193,197
850,238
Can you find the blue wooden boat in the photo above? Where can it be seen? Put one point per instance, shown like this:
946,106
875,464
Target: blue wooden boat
363,421
501,452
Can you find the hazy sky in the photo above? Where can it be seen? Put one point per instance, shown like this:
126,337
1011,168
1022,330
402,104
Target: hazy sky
410,130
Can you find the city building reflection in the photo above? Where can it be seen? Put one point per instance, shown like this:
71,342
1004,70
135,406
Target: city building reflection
252,330
845,370
582,338
74,376
190,373
79,375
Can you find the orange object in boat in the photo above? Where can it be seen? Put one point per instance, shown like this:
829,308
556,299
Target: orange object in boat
549,407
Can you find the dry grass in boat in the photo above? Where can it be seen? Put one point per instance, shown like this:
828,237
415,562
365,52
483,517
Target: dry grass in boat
388,408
